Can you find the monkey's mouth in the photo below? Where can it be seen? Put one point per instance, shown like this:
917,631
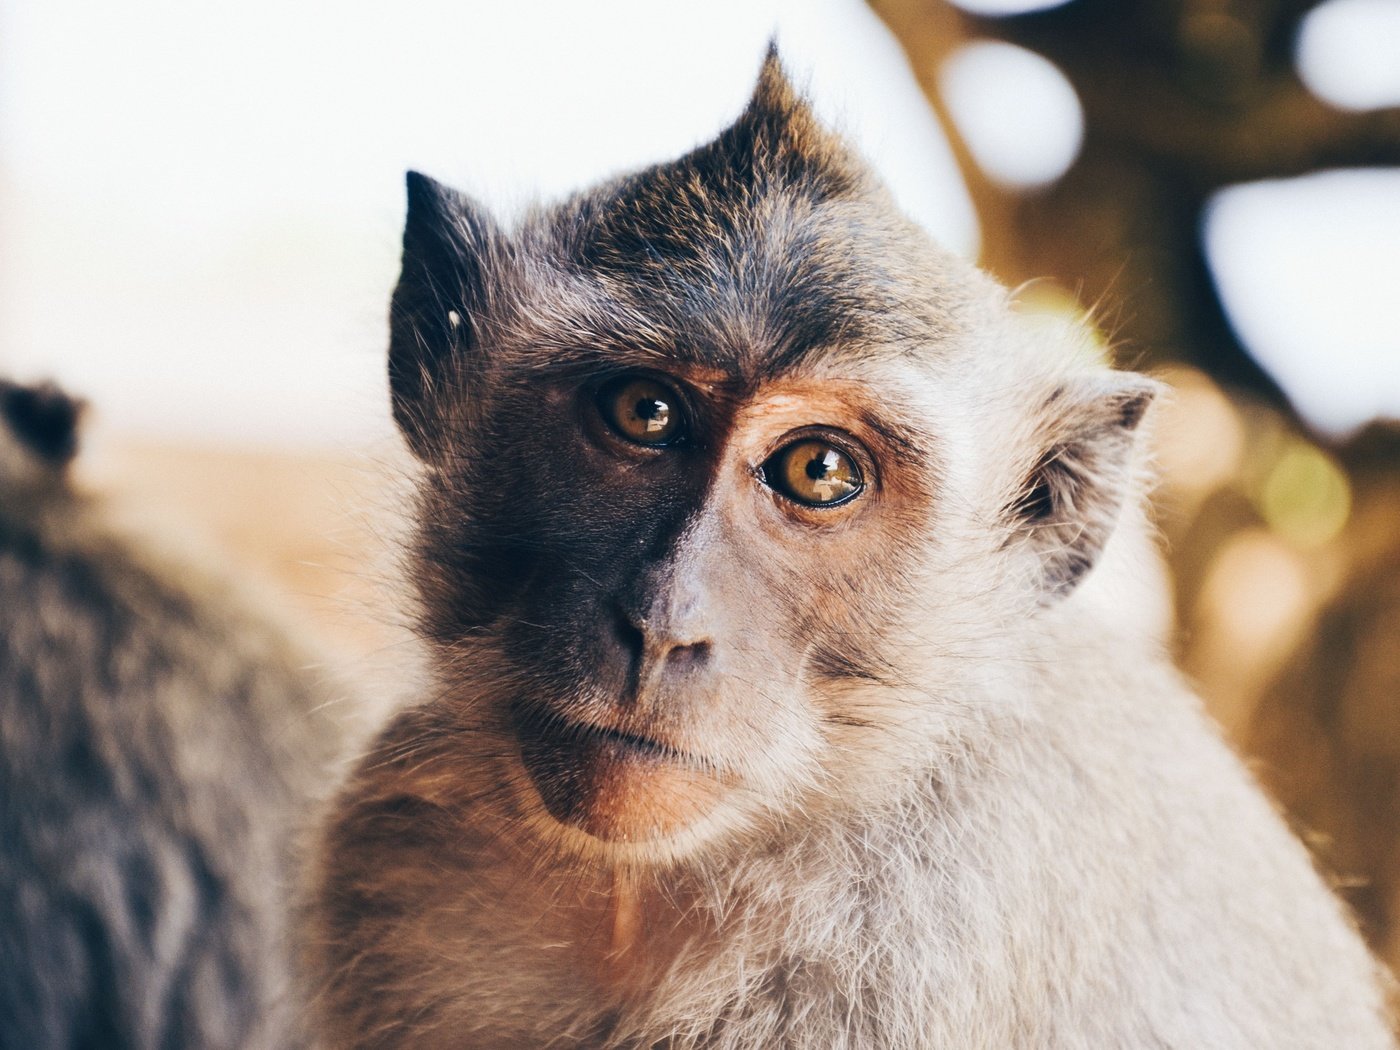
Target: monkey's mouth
614,785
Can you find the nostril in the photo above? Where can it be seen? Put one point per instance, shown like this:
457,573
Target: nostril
628,635
693,655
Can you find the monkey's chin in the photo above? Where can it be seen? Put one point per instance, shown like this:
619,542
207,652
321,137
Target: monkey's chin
613,786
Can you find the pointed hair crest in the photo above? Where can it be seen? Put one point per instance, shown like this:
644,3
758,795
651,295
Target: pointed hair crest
777,137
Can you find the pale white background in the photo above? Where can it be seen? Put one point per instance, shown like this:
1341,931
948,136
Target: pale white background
200,201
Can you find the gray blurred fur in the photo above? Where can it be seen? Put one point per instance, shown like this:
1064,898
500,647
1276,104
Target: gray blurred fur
158,742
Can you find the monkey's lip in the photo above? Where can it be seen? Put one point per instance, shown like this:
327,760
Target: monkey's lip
615,785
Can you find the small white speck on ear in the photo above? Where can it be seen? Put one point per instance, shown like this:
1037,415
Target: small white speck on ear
454,318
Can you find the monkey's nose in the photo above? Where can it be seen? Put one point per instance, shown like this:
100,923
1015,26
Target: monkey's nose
656,647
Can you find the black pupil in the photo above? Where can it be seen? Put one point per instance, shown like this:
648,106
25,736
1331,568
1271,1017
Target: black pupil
822,466
650,408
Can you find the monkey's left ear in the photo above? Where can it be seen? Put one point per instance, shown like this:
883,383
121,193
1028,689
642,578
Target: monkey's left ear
436,316
1071,500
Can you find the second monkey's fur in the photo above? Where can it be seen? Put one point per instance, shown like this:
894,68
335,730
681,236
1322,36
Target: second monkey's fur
949,791
162,741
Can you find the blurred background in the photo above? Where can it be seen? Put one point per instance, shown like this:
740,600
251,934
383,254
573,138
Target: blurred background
199,217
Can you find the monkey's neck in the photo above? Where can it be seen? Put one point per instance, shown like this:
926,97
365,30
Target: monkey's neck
619,946
633,931
626,919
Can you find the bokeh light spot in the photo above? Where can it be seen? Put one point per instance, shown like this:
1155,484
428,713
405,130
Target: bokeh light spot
1305,497
1255,603
1006,8
1018,114
1308,270
1200,436
1349,53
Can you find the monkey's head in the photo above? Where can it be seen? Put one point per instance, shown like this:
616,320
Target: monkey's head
736,487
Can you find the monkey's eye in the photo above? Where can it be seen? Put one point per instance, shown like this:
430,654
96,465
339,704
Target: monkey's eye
642,410
814,473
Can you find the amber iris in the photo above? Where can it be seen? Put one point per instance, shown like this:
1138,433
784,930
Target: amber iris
642,410
814,473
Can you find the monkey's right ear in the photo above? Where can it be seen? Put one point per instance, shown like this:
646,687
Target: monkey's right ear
435,318
1070,503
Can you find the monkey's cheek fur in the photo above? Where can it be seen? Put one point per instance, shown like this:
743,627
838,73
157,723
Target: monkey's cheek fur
616,787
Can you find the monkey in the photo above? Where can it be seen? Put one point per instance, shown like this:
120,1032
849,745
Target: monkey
162,740
797,675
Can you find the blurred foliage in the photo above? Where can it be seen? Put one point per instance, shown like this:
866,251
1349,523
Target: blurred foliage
1285,548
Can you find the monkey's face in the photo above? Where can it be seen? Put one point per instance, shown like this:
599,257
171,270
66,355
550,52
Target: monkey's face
671,566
